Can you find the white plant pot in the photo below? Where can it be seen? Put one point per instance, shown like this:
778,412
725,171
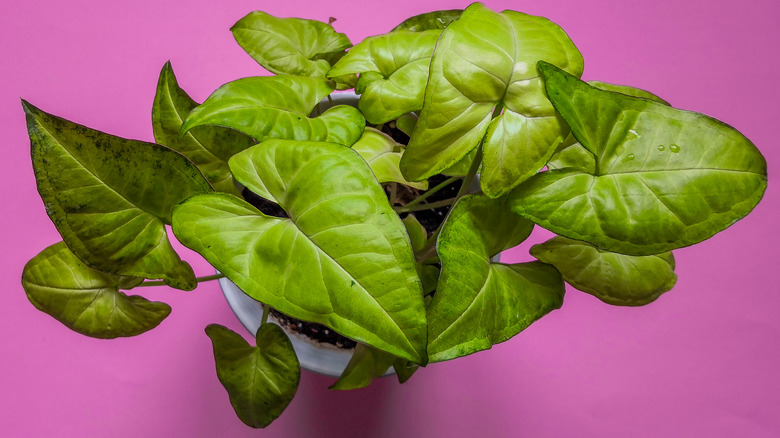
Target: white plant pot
320,357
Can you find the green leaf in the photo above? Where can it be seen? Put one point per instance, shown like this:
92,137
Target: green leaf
86,300
571,154
367,364
110,197
343,259
417,234
404,369
479,303
617,279
293,46
209,147
429,277
483,62
393,71
664,178
429,20
261,381
278,107
383,154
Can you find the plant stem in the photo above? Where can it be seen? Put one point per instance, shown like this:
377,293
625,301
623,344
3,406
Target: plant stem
393,193
430,206
430,245
266,312
430,192
198,279
471,174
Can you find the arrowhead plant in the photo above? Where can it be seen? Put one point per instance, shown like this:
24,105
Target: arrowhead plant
383,220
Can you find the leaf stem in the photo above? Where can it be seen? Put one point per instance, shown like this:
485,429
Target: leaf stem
266,312
430,245
430,192
197,279
472,173
430,206
393,193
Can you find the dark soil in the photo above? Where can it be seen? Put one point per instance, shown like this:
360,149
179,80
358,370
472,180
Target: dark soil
431,219
314,331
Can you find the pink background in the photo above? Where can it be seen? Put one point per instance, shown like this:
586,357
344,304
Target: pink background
701,361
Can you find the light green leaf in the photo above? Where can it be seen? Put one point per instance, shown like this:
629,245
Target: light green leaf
343,259
479,303
209,147
278,107
664,178
261,381
383,154
367,364
393,71
86,300
429,20
293,46
617,279
110,197
485,61
417,234
571,154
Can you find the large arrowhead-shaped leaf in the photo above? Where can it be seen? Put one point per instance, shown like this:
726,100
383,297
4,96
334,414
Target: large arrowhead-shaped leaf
209,147
383,154
571,154
293,46
343,259
479,303
86,300
664,178
617,279
261,381
278,107
110,197
482,61
429,20
367,363
399,63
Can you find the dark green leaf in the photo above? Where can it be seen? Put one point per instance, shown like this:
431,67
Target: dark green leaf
393,71
404,369
486,61
293,46
110,197
429,20
209,147
617,279
86,300
261,381
278,107
479,303
664,178
343,259
367,364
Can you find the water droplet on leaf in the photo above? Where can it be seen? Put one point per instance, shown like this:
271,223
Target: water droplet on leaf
628,157
674,148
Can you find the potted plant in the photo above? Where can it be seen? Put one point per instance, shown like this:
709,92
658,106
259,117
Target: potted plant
334,231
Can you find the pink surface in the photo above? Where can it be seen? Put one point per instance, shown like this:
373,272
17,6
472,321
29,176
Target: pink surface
701,361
